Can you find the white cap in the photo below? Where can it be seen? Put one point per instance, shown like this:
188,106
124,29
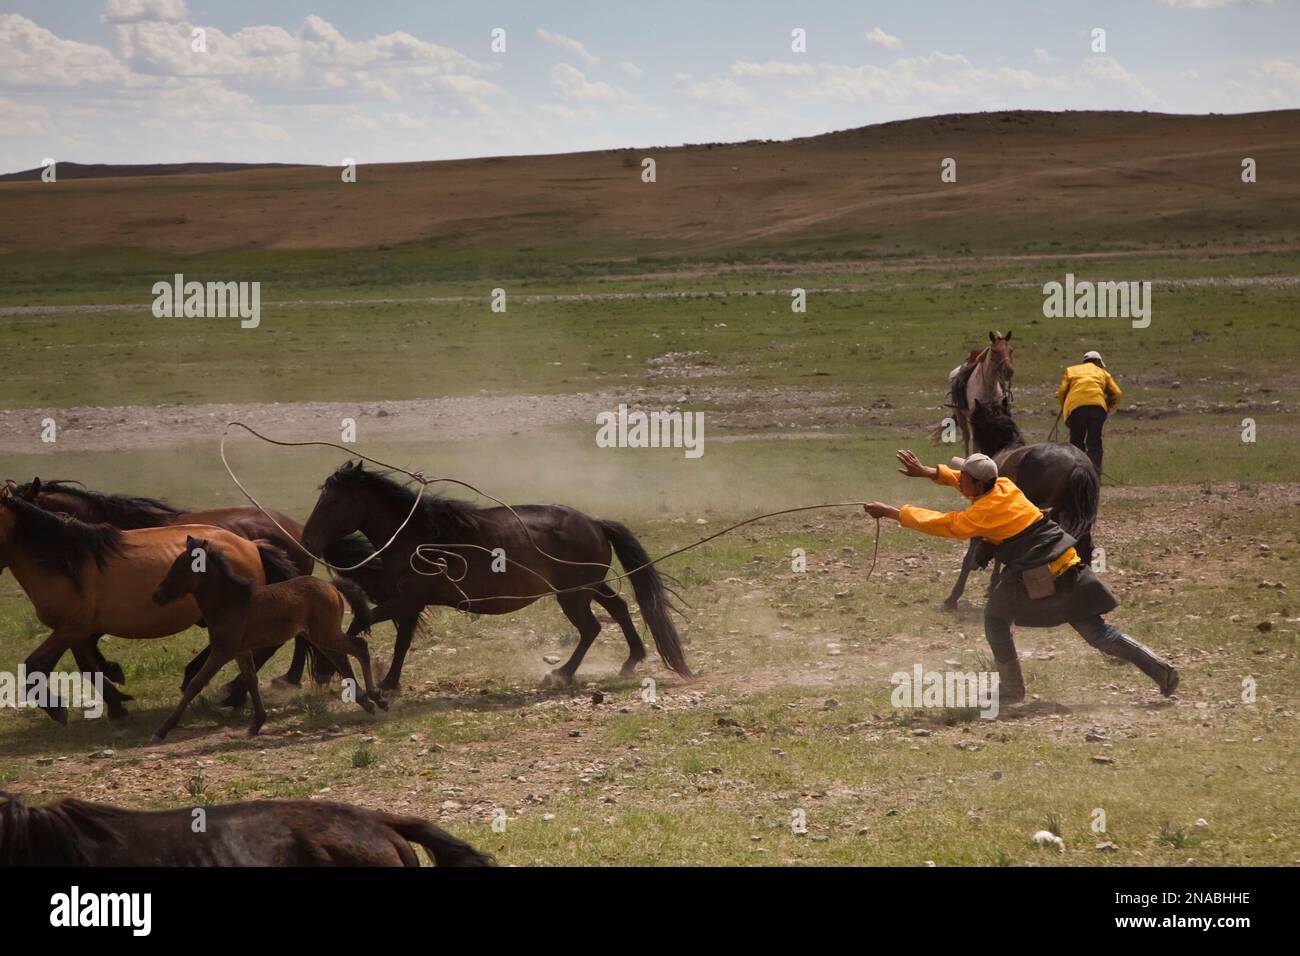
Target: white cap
980,467
1094,356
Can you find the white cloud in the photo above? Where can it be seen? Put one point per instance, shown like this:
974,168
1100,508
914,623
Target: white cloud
772,68
1042,56
631,69
31,56
716,91
879,37
572,84
576,47
21,119
136,11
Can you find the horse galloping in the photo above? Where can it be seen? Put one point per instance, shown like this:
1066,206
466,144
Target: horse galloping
86,580
539,550
244,616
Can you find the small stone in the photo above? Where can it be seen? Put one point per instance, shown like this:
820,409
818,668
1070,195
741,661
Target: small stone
920,732
550,659
1107,847
1099,758
1201,823
575,733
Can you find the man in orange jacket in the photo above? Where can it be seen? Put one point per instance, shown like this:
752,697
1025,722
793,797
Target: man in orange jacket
1040,580
1088,393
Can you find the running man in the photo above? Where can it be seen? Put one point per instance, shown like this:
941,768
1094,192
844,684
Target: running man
1088,394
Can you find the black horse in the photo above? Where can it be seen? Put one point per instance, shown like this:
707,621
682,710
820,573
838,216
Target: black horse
252,833
1058,478
493,560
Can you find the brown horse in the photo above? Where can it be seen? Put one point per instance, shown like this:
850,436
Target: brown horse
497,560
130,512
89,579
251,833
985,377
244,616
1058,478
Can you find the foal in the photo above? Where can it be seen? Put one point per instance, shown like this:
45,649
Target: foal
243,616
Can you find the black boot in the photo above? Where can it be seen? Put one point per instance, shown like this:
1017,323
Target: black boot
1125,648
1011,683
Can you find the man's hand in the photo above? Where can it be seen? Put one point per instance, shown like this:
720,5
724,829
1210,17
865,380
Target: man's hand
878,509
912,466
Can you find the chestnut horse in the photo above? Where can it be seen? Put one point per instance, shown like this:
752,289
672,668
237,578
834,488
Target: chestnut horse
1057,477
91,579
243,616
250,833
985,376
130,512
499,560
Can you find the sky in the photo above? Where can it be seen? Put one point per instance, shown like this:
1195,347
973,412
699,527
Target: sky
318,81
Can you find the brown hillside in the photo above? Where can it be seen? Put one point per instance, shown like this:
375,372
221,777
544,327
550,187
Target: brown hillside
1026,181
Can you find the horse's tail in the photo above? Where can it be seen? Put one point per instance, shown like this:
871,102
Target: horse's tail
352,550
651,594
1080,511
275,563
356,597
443,848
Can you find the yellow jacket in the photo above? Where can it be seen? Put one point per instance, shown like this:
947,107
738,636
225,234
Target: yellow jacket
1001,513
1087,384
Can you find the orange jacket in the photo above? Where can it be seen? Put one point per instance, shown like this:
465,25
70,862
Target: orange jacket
1087,384
1001,513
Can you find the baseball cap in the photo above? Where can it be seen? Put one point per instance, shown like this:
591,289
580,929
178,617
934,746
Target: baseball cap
979,467
1094,355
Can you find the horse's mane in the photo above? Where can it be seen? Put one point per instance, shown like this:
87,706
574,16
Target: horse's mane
217,559
438,513
62,543
994,429
62,833
124,511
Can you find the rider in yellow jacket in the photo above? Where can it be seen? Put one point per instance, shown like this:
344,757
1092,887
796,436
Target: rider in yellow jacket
1088,393
1041,582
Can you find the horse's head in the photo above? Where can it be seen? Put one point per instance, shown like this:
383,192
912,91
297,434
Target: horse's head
339,509
1001,352
185,576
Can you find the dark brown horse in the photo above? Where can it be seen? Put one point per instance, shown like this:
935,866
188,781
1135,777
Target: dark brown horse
244,616
130,512
252,833
985,377
1058,478
497,560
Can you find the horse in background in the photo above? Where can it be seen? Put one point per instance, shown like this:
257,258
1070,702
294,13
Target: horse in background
1055,476
984,377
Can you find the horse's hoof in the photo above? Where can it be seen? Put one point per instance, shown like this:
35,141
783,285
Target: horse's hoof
380,703
367,705
628,669
59,715
254,730
113,671
157,738
557,678
233,699
948,606
285,682
116,716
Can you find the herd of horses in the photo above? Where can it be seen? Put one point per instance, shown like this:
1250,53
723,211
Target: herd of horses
136,567
94,564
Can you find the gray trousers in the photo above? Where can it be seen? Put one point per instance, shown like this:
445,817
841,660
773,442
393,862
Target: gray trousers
1107,638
